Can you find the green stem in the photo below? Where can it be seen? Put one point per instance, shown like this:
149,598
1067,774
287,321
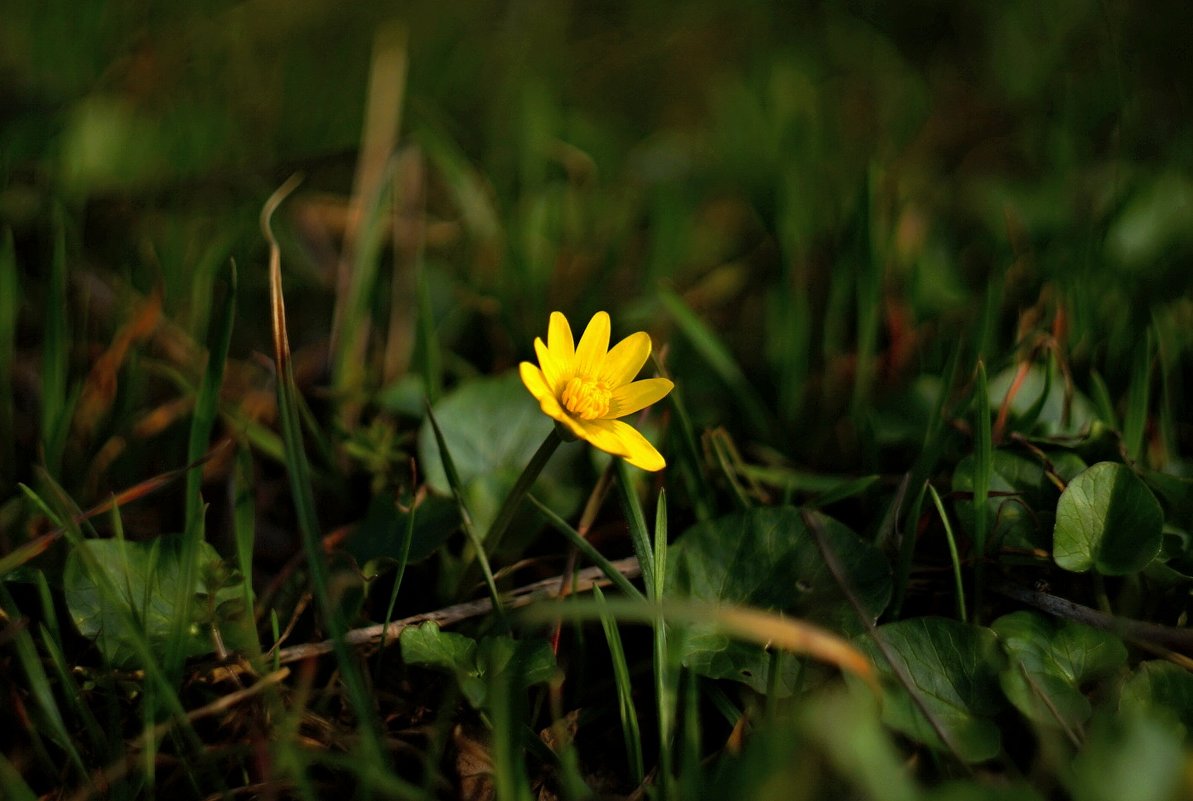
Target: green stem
505,515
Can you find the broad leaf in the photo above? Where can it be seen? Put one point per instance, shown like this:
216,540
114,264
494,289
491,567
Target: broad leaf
476,666
767,558
492,426
1107,519
1128,755
1038,405
132,595
1021,497
1050,662
954,667
380,534
1162,688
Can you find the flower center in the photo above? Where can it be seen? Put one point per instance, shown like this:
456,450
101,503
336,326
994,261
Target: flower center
586,397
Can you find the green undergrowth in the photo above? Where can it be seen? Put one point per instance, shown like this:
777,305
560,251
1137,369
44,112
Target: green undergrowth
920,277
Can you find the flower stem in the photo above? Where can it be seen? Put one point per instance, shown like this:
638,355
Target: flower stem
509,507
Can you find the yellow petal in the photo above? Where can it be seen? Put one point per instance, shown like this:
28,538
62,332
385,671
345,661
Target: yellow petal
575,425
590,353
553,369
625,359
559,339
635,448
638,395
536,383
600,433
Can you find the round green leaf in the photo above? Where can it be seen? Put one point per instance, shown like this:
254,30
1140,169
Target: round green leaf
1163,689
955,668
1109,520
1050,664
492,427
1021,497
767,558
1041,403
121,593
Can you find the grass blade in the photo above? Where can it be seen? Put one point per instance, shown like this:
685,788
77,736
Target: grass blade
39,685
474,537
625,693
407,538
14,786
371,750
719,359
1138,399
55,354
207,400
588,549
202,422
244,529
665,673
954,556
368,213
639,536
983,470
743,623
10,304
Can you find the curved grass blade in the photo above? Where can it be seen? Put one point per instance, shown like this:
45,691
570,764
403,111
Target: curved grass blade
763,628
953,555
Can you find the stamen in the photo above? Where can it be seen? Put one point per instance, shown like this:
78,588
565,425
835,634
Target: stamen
587,398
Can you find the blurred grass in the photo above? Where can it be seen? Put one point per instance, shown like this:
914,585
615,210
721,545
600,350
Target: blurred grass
829,213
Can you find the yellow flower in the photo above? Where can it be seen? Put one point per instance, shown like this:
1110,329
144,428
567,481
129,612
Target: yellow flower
587,387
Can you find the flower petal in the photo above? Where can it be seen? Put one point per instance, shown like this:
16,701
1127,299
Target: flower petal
536,383
636,449
601,434
572,424
559,340
553,369
630,398
625,359
590,353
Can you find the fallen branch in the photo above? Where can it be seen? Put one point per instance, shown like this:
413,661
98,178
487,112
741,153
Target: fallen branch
1136,631
371,636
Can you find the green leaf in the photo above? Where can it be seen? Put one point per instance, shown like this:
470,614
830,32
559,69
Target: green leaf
138,584
1163,689
1051,662
379,535
1109,520
955,669
1018,490
972,791
532,659
492,427
1040,402
767,558
447,651
1128,755
477,667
